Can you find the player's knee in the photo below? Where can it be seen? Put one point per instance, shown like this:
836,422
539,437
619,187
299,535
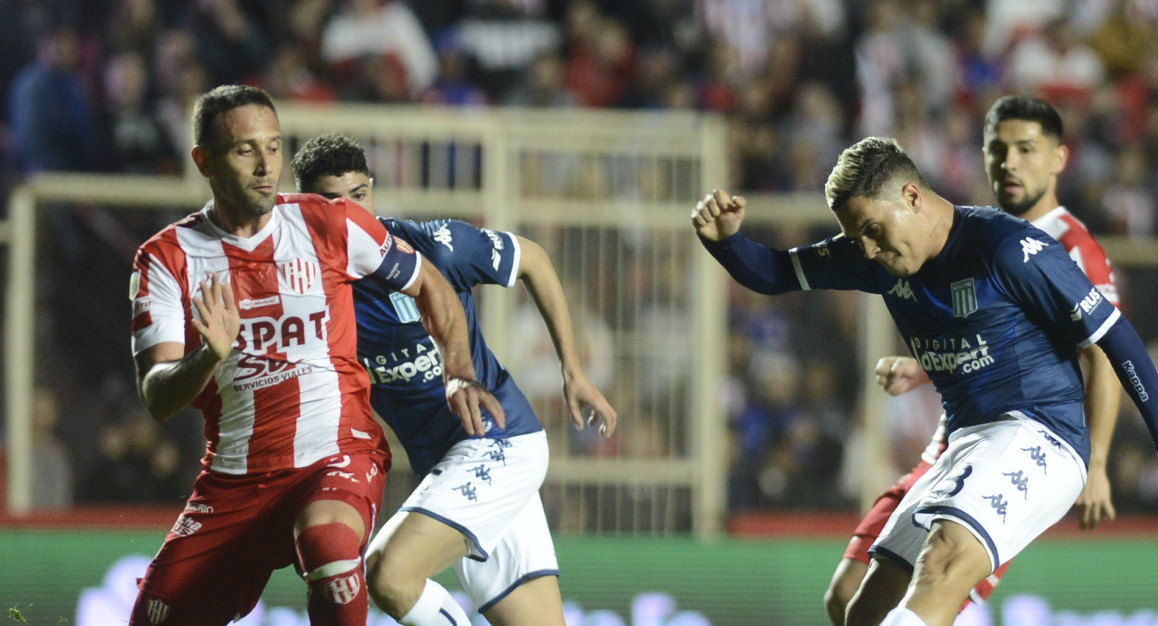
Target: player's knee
835,603
331,561
837,597
392,590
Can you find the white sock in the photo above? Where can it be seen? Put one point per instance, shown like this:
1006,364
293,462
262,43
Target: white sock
901,616
435,607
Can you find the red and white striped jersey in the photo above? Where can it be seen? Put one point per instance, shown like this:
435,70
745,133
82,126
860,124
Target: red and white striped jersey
1082,248
292,391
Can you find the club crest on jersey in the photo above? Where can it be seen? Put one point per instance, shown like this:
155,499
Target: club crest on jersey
964,296
157,611
298,275
404,307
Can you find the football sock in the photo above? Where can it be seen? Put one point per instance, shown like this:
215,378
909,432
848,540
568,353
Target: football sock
435,607
330,556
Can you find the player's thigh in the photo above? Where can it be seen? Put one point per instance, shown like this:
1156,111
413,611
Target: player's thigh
413,546
845,582
345,488
524,553
885,583
953,558
536,602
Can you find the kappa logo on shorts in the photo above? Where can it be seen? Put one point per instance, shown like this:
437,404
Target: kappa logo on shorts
482,472
1051,439
186,526
999,504
468,491
157,611
1038,457
1019,480
498,452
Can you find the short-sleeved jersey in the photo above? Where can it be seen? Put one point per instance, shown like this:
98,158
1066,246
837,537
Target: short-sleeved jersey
994,319
404,364
291,392
1073,235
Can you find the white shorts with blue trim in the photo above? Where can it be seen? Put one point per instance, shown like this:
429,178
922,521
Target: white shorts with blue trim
488,489
1007,482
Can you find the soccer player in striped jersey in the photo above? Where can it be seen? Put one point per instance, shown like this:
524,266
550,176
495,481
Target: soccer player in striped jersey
994,310
245,310
478,505
1023,154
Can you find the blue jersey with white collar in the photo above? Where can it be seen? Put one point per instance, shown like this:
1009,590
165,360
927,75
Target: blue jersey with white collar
995,319
405,366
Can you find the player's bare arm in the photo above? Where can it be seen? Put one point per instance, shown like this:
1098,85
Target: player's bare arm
900,374
719,215
167,378
542,282
445,321
1103,400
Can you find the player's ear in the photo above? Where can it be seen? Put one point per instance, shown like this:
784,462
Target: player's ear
911,195
201,159
1061,156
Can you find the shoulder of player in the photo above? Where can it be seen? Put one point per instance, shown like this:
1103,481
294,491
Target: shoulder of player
1006,238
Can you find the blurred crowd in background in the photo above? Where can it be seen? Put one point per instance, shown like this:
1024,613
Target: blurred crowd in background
105,85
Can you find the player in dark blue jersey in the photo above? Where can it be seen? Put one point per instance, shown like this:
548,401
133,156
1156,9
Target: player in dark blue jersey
478,505
1024,154
994,311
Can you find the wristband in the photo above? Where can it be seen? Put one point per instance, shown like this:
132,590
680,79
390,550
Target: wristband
455,385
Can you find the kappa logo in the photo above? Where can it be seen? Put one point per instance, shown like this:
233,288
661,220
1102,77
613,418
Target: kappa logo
443,236
903,290
1030,247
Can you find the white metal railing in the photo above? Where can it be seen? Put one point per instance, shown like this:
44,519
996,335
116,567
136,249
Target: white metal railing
546,171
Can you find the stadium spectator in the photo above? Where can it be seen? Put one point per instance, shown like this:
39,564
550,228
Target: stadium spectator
50,109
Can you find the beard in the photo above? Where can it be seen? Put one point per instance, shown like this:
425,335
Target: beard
1019,208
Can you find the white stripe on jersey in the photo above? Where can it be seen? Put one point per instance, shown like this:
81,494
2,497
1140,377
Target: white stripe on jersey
794,254
168,324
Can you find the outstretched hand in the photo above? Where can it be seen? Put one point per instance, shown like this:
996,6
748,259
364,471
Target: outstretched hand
718,215
467,398
900,374
217,319
1094,504
580,392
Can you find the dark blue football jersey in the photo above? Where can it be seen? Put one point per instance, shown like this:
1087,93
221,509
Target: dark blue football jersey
404,364
995,319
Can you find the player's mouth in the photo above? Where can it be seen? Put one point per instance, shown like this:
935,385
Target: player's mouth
1011,186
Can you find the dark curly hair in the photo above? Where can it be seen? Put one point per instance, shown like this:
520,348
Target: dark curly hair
327,155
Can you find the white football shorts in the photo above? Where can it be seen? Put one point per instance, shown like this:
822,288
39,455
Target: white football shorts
1007,482
488,489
